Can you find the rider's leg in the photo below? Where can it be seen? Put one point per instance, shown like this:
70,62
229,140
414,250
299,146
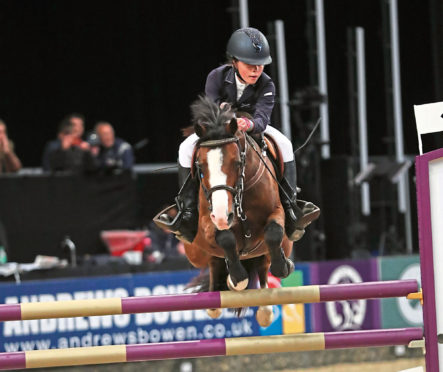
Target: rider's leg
187,199
296,218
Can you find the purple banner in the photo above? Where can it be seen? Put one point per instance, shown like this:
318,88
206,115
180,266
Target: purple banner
350,314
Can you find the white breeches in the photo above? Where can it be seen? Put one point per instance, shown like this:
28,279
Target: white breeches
187,147
283,143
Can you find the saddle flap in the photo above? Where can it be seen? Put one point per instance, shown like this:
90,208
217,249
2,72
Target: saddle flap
274,154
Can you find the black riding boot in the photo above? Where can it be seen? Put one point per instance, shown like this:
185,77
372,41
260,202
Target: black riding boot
187,204
181,218
298,213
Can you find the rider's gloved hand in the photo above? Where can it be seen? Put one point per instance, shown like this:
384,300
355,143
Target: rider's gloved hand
225,104
244,124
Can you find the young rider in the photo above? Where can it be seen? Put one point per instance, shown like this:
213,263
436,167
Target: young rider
243,84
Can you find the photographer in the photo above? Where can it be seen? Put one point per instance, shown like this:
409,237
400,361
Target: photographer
9,162
111,152
62,155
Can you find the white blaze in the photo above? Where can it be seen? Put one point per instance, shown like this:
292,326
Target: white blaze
217,177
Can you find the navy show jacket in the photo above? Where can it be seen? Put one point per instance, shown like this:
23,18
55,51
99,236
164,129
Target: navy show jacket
257,99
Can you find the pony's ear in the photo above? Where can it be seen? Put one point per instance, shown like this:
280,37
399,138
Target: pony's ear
200,129
232,126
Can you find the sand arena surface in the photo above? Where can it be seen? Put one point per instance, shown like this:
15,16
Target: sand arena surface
384,366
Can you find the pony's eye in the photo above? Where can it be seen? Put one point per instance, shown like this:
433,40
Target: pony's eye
238,164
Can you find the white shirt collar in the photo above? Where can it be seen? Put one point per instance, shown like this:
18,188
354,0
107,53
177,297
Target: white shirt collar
240,87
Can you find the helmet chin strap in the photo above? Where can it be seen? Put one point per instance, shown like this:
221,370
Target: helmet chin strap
238,74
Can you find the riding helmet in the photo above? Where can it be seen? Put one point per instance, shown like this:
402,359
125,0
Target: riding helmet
250,46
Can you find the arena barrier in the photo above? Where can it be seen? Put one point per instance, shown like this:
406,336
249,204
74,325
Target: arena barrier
207,348
208,300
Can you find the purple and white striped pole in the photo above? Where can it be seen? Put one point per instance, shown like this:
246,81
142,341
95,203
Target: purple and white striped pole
205,348
207,300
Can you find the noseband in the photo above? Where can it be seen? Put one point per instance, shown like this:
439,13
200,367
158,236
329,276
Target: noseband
237,191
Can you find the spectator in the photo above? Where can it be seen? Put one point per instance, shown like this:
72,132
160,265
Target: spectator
112,152
78,128
62,154
3,243
9,162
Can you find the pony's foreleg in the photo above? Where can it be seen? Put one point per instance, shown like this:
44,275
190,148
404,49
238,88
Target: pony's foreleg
264,314
238,276
216,270
280,265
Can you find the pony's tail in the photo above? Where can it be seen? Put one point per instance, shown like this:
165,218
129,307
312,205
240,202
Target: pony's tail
200,283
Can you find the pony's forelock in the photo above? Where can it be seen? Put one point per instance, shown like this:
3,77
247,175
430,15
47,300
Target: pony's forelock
204,111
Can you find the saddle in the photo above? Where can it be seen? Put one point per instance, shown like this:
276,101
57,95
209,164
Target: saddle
274,154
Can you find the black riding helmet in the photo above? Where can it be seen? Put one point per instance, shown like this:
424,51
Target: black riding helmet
250,46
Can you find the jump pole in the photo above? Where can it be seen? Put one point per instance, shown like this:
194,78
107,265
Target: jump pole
207,348
207,300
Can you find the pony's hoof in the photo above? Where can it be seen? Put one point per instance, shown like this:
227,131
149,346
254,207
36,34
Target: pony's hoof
296,235
214,313
264,316
289,266
282,270
240,285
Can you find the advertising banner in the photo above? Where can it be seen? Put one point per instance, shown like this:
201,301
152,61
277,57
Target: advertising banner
345,315
400,312
291,318
114,329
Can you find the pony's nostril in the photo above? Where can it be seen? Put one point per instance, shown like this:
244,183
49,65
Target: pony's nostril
230,218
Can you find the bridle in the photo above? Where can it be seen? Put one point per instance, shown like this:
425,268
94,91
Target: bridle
237,191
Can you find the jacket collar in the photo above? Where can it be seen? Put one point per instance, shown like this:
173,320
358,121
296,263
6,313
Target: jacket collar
232,87
230,76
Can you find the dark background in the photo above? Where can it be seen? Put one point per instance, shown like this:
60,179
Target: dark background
139,64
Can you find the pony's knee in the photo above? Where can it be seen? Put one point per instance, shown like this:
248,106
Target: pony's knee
225,238
273,234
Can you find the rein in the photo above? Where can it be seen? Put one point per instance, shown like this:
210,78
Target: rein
252,143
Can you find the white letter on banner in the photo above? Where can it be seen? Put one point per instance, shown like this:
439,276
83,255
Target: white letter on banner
12,328
182,316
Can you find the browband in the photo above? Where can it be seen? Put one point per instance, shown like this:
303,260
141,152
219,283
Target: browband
220,142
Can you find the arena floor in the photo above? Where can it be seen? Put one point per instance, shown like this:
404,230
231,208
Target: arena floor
385,366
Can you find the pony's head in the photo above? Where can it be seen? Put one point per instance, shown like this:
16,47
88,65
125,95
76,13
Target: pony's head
219,159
